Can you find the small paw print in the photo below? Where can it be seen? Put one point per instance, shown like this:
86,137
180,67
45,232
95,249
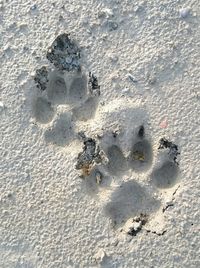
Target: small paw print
65,93
131,186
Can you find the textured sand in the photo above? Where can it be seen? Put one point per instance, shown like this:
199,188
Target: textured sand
148,69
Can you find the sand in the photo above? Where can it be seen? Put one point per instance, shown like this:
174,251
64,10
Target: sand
139,205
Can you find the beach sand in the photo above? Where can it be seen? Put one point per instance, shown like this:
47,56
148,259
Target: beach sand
100,163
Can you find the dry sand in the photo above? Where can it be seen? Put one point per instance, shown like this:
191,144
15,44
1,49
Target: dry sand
134,209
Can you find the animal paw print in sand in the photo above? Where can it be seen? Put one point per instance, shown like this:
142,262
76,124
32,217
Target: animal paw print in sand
119,167
65,94
114,175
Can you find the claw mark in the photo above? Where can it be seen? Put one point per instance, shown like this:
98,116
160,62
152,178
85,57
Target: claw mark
141,132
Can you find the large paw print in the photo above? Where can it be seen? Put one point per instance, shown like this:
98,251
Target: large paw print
111,171
65,94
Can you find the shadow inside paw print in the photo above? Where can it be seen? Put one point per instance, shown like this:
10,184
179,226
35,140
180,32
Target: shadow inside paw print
95,182
42,110
141,156
129,200
166,175
117,163
62,133
56,88
64,88
86,110
78,88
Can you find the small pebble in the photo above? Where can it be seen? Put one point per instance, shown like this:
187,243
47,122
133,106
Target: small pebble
151,80
68,60
137,225
100,256
98,176
34,7
164,123
132,78
1,106
184,12
112,25
114,58
105,13
125,90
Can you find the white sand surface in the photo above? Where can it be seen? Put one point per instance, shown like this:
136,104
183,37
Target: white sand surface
146,56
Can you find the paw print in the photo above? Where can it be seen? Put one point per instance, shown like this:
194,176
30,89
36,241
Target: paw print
117,163
65,93
130,185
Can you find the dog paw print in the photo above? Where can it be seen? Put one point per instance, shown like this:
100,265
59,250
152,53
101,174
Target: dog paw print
112,175
65,93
